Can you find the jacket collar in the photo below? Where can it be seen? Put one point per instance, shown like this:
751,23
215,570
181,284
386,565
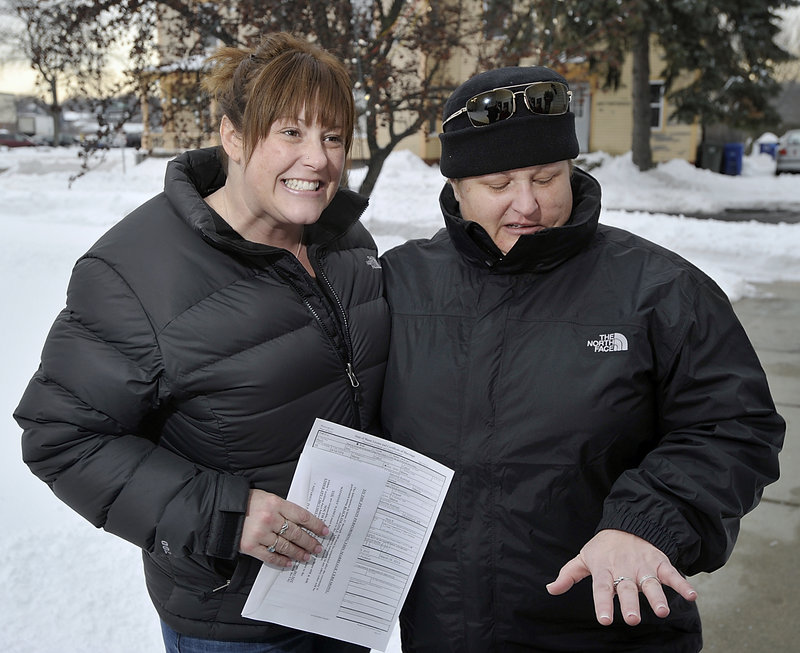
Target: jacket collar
197,173
537,252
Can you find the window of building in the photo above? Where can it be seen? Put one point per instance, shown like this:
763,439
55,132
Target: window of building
656,105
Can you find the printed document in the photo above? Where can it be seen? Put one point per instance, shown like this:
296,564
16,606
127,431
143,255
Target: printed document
380,501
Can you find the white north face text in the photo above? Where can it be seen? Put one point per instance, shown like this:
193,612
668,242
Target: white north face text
608,342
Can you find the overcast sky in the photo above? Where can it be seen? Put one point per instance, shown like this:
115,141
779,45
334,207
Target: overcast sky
18,78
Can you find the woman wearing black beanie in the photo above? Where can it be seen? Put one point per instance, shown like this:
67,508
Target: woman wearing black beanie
606,416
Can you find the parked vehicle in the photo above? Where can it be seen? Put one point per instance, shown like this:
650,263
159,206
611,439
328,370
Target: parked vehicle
11,139
787,156
65,140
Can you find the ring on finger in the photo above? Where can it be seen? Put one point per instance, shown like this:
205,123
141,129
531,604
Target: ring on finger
284,528
647,577
271,549
619,579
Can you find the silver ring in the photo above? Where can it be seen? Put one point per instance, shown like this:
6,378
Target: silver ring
617,581
271,549
284,528
647,577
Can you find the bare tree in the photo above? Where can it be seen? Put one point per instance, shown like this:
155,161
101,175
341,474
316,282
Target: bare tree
399,52
396,51
58,50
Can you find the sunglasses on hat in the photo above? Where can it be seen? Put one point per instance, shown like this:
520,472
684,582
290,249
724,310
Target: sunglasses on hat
543,98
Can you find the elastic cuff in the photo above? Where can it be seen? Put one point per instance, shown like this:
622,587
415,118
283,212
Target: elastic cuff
225,530
644,528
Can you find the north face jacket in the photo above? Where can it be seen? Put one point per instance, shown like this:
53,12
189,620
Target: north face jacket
187,368
587,380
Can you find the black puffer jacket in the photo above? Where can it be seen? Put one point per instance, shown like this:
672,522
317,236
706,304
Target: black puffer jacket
187,368
588,380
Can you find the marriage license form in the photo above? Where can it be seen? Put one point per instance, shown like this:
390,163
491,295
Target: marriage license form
380,501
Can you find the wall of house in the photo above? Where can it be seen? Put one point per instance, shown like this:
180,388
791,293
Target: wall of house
612,119
8,111
606,121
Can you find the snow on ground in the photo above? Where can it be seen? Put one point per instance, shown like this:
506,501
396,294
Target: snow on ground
70,588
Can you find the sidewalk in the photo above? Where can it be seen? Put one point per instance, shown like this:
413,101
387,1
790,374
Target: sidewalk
750,604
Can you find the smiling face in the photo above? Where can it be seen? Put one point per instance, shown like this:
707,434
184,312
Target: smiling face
517,202
294,172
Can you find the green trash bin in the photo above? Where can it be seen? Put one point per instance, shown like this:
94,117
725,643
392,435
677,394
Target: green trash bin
711,156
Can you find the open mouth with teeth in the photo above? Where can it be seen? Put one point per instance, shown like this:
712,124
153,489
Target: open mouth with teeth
299,184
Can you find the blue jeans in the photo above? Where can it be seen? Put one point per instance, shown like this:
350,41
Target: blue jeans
294,641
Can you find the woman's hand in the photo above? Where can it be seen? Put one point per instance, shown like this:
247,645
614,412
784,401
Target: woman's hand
623,564
276,531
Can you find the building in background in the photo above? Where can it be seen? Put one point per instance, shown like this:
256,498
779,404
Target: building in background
604,118
8,111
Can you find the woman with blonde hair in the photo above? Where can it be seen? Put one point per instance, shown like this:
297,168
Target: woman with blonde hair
203,334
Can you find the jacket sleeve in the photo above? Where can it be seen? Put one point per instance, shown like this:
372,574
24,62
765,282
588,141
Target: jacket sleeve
90,418
718,432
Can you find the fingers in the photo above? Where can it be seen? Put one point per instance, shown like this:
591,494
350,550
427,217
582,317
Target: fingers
296,542
302,518
625,566
279,532
283,550
570,573
650,587
627,592
671,577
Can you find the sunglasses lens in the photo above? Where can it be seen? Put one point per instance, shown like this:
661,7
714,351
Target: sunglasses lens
548,98
488,108
545,98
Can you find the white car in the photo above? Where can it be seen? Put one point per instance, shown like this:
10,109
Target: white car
787,156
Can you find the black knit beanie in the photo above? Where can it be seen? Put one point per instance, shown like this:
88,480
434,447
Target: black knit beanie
525,139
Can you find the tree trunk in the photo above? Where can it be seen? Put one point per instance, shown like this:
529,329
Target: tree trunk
374,167
641,150
55,112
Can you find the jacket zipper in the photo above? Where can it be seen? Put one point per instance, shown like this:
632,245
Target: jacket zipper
348,342
348,358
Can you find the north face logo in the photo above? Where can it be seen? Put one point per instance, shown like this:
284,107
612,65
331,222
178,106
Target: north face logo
373,262
608,342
